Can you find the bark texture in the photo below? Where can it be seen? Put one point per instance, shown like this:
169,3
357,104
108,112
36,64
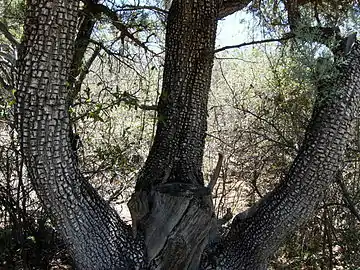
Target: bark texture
96,236
171,206
256,234
171,209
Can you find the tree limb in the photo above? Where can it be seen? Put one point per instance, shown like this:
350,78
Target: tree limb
346,196
81,43
116,56
85,70
153,8
229,7
262,229
91,229
146,107
113,16
292,7
286,37
5,31
216,172
323,35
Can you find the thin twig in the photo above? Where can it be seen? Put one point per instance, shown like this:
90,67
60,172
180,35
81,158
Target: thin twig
153,8
116,21
5,31
286,37
216,173
349,203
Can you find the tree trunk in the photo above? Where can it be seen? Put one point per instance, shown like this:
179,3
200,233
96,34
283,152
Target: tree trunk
96,236
256,234
171,206
171,209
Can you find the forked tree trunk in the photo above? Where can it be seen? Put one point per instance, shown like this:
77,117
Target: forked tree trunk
172,210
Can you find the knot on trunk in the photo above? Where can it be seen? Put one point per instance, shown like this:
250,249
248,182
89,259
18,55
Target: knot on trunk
183,190
175,219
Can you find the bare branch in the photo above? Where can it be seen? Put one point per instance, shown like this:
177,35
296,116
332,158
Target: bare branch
113,16
5,31
85,70
229,215
148,107
117,56
216,172
318,34
153,8
81,44
219,139
286,37
347,198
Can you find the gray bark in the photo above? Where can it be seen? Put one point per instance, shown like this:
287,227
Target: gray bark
256,234
96,236
171,206
172,210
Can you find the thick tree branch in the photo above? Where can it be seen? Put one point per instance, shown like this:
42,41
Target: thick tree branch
94,233
81,43
282,211
292,7
229,7
170,204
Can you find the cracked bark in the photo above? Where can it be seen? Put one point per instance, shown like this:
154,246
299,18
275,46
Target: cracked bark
96,236
171,206
171,209
256,234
